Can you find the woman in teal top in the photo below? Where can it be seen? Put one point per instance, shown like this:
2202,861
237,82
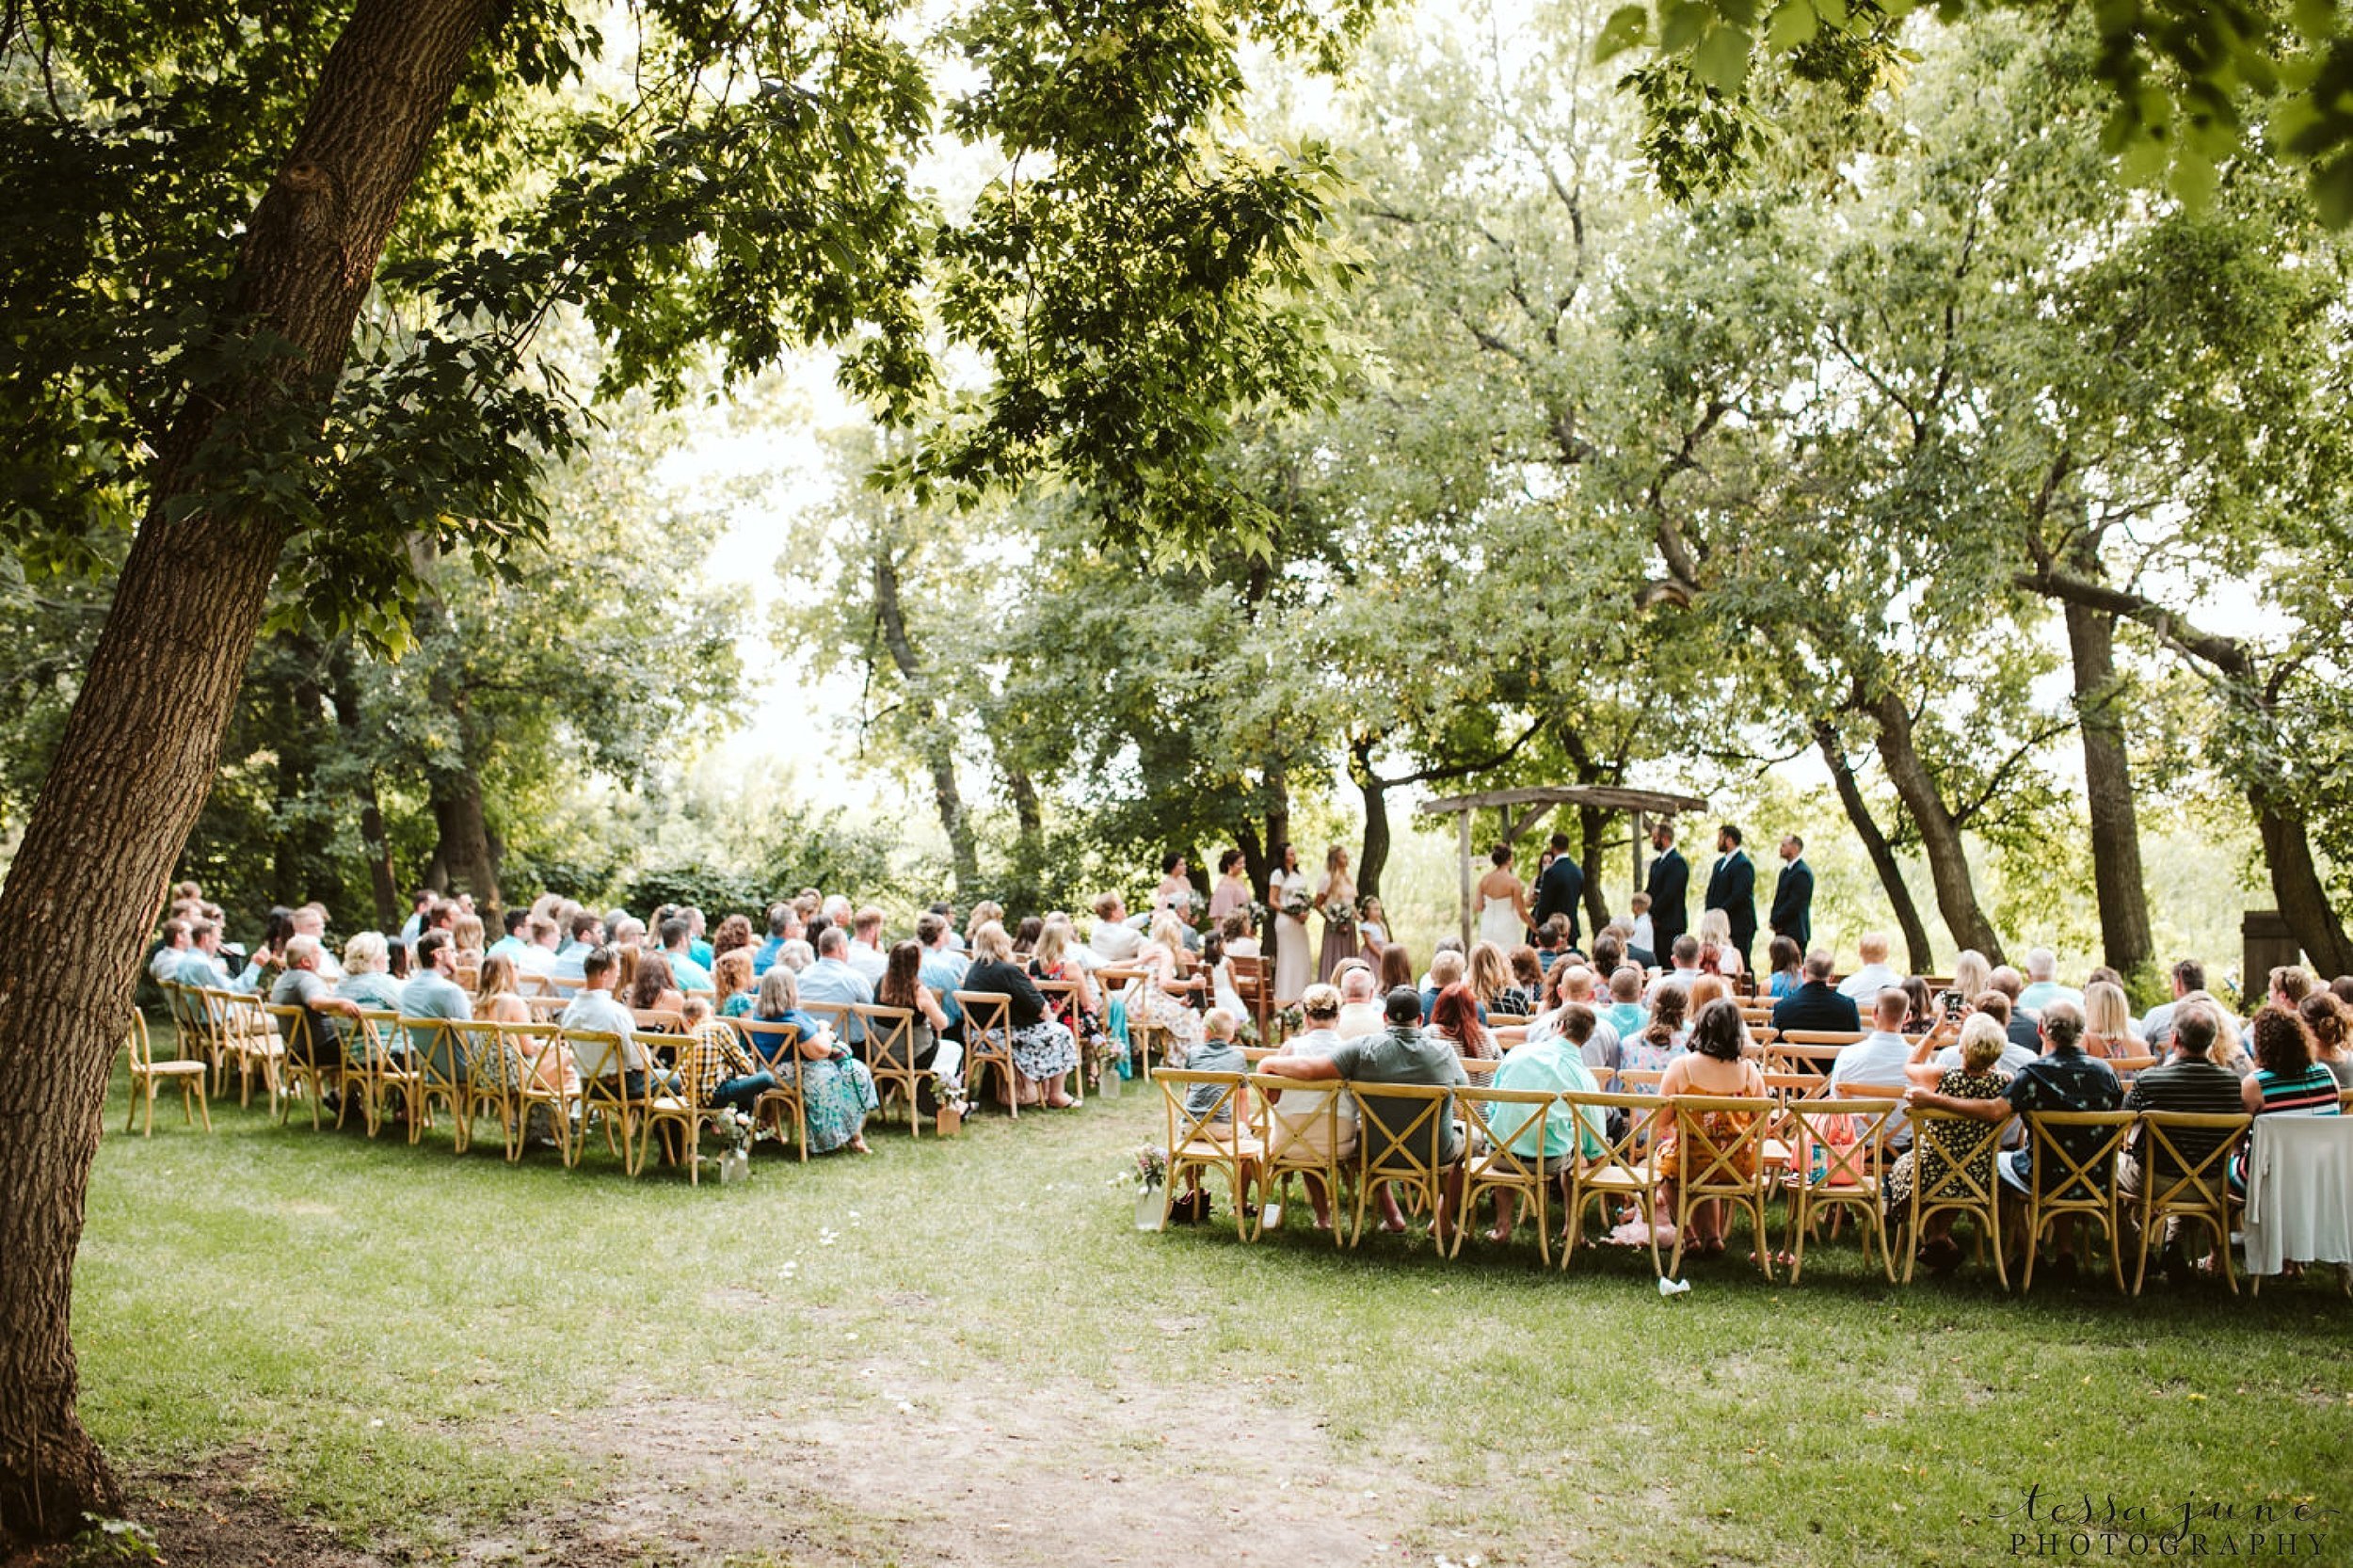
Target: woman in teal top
2287,1080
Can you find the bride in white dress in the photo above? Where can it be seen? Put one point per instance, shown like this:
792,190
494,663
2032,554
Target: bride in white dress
1294,961
1503,914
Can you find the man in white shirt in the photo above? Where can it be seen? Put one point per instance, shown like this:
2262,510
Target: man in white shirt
1875,976
1113,940
594,1009
2042,986
1682,968
2156,1025
537,953
867,953
1360,1004
310,921
1878,1060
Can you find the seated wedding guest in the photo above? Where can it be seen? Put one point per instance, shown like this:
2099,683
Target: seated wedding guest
1971,974
1923,1016
421,904
497,1000
174,946
1551,1064
943,967
1446,969
432,993
2191,1078
1218,1052
1113,940
986,912
466,936
1044,1051
1296,1116
1974,1075
1706,988
367,957
2156,1025
398,963
1717,955
2062,1079
713,1062
1394,968
310,921
837,1089
902,985
1240,934
1868,981
651,989
834,982
676,938
798,955
731,982
1787,965
1359,1013
538,956
2042,986
1456,1018
1148,1001
596,1010
511,945
2024,1031
2107,1022
2286,1082
698,945
866,954
734,931
2290,984
1716,1066
1025,936
783,924
1662,1036
1525,995
625,931
1625,1011
1552,939
1444,944
333,1018
1816,1005
2329,1021
1488,975
584,935
1991,1004
199,963
1402,1052
1683,965
1877,1062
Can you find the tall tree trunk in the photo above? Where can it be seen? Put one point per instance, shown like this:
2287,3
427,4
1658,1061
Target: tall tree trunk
1593,827
1874,844
383,887
1278,824
1375,858
2125,940
2295,882
1949,865
466,852
303,862
136,759
1029,815
939,751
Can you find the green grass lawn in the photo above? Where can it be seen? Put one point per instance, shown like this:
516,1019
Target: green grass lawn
965,1350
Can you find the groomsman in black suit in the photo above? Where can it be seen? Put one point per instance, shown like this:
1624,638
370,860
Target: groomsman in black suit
1793,895
1670,883
1560,887
1732,888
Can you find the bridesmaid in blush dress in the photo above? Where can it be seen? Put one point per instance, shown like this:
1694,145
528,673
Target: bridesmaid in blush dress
1335,901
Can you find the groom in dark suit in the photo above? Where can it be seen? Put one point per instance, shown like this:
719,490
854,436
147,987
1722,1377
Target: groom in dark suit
1670,883
1793,895
1732,888
1562,886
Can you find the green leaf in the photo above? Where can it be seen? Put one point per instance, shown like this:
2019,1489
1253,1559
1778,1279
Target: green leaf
1722,60
1794,22
1682,23
1628,27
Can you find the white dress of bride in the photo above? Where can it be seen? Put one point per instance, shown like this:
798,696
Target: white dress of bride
1500,923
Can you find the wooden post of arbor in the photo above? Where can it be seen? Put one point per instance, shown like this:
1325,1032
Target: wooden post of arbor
1544,797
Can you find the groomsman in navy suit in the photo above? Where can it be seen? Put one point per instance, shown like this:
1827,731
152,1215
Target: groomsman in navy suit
1732,888
1793,895
1670,882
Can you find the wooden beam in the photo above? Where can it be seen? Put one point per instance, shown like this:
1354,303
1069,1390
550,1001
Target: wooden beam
1608,797
1465,818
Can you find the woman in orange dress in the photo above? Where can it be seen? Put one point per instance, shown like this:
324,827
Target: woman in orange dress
1714,1065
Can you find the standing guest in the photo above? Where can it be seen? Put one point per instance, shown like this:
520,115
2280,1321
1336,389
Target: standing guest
1335,901
834,982
866,954
677,937
1232,893
1874,976
1792,913
2192,1077
1561,888
1732,888
433,993
837,1089
902,985
1786,962
731,983
1296,1116
1715,1067
2330,1022
1641,935
1670,881
2042,986
2156,1025
1402,1052
1043,1050
1294,964
1455,1017
941,969
1373,925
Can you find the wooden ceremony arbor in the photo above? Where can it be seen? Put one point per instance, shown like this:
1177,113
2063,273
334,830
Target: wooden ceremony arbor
1537,800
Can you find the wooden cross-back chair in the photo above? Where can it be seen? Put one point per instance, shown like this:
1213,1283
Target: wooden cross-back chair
2063,1186
148,1074
438,1059
1623,1171
776,1047
889,1052
1498,1123
312,1062
495,1070
1200,1142
1298,1125
1852,1136
1960,1191
1402,1130
1254,982
604,1093
2178,1184
1719,1158
241,1032
686,1110
988,1043
1062,1005
547,1007
377,1066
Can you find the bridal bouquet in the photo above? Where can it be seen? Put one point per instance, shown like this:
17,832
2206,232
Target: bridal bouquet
1296,903
1338,911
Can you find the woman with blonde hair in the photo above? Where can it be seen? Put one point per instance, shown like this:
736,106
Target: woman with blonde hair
1148,1000
1335,901
367,980
1044,1052
1972,975
732,980
1489,975
988,910
1717,953
2108,1021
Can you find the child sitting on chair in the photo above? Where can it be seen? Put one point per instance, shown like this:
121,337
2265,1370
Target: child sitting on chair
1218,1052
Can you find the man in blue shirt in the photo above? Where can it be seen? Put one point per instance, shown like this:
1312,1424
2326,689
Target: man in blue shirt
676,938
832,981
587,934
782,918
942,967
431,993
511,947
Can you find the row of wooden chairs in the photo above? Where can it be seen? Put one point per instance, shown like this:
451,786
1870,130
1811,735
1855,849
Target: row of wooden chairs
1822,1156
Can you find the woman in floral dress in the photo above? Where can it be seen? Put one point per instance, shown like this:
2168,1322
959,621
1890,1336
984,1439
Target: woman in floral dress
836,1088
1929,1160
